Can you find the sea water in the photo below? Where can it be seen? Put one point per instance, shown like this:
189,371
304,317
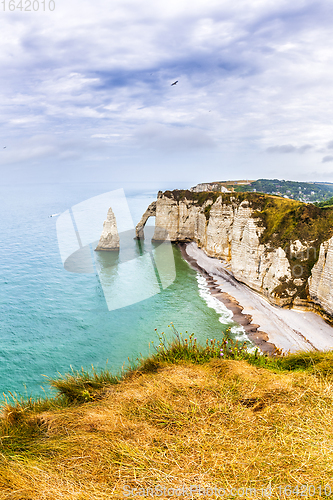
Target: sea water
53,320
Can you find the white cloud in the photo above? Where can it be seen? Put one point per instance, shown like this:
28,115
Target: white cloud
253,76
289,148
105,136
173,138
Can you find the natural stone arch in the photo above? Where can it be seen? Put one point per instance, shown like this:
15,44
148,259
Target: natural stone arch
150,212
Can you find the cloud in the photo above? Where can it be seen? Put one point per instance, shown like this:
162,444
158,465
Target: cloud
327,159
286,148
289,148
173,138
99,76
42,146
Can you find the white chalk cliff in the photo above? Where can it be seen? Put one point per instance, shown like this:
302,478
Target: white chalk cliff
225,227
213,186
109,239
321,279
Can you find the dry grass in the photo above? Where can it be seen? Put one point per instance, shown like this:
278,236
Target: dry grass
224,423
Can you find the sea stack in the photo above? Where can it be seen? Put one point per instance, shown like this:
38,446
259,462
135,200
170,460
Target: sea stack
109,240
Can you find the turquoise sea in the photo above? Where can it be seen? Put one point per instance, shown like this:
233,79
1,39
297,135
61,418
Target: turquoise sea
52,319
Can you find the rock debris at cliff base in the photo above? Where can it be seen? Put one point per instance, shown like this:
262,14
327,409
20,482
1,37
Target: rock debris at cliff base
287,329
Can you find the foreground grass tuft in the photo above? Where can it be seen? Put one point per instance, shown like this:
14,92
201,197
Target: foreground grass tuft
211,416
82,386
186,348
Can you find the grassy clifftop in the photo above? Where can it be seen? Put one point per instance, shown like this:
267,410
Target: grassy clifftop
284,219
185,418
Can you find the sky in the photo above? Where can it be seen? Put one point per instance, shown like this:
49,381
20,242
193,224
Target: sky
86,91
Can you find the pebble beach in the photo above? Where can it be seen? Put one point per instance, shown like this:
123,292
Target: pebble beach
267,326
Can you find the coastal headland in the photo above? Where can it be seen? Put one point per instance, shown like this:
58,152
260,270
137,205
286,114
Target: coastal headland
281,249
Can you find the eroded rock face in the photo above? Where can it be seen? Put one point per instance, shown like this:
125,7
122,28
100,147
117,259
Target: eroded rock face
321,279
109,239
234,235
229,230
151,211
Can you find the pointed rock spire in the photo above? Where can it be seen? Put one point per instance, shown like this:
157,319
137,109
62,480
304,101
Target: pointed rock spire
109,239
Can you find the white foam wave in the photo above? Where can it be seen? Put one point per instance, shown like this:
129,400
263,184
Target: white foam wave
239,334
226,315
220,308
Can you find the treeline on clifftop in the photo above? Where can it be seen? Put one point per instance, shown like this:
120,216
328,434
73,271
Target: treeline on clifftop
326,203
302,191
307,192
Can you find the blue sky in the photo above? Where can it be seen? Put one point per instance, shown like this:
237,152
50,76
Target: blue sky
86,91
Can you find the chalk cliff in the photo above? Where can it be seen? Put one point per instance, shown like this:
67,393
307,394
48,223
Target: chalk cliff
321,279
109,239
271,244
213,186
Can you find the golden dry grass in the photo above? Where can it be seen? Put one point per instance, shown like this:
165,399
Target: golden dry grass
224,424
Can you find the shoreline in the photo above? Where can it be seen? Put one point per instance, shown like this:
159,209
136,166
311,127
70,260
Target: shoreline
267,326
258,338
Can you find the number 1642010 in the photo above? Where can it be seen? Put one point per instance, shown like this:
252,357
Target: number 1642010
28,5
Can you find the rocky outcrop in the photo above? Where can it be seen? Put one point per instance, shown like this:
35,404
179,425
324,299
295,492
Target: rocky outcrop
232,227
321,279
109,239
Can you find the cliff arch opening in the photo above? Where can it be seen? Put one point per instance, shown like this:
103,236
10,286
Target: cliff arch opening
150,212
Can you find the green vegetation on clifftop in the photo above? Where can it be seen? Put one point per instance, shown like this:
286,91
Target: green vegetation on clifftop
301,191
286,221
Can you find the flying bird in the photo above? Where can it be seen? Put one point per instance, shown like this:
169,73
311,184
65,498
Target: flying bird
4,147
174,83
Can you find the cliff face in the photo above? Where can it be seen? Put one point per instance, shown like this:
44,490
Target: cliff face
213,186
321,279
271,243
